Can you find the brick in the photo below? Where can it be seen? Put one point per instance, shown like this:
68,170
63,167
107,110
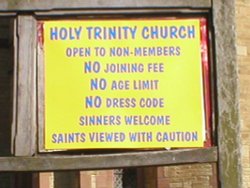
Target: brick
245,137
187,184
203,178
169,172
160,173
175,185
163,183
201,186
242,50
246,171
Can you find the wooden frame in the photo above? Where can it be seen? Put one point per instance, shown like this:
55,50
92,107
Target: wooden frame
25,21
227,114
28,110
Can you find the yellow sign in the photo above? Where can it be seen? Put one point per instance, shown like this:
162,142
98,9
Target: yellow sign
123,84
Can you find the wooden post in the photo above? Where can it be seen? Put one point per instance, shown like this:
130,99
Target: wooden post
25,132
24,114
227,91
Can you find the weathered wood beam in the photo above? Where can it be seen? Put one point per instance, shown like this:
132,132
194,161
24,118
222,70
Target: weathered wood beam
228,94
7,14
25,133
123,12
30,5
108,161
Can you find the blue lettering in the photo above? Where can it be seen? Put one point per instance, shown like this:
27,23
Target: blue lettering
145,32
191,31
54,33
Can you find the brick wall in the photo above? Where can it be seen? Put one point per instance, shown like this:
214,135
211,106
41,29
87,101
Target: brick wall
243,52
188,176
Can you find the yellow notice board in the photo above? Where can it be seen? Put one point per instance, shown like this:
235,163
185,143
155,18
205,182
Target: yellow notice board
123,84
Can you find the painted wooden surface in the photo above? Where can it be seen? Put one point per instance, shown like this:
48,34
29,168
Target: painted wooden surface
40,91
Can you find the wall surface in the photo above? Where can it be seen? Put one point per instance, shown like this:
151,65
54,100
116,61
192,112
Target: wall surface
243,55
188,176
